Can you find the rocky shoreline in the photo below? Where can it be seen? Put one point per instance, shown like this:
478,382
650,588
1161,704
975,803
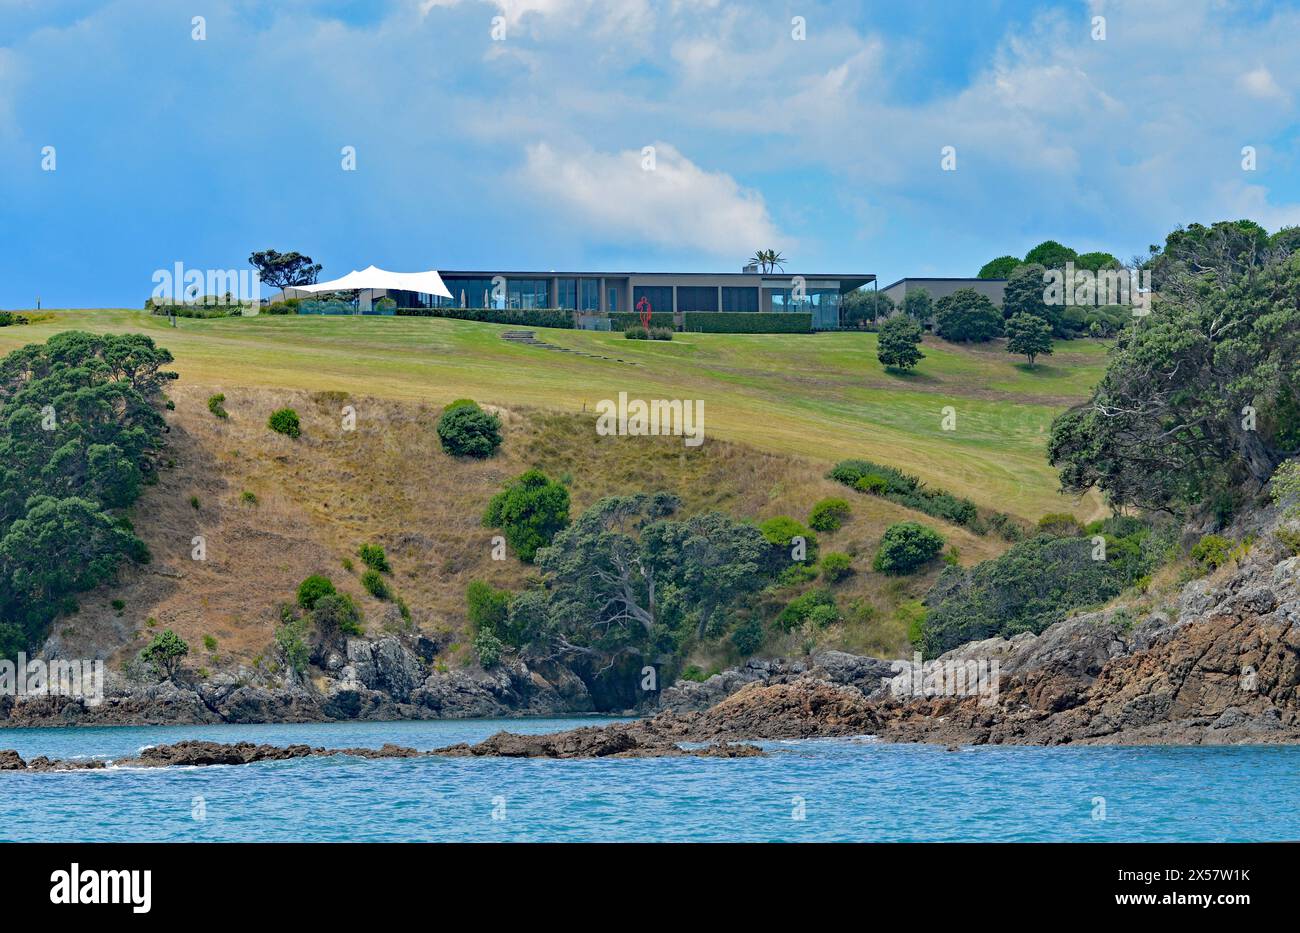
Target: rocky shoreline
1221,665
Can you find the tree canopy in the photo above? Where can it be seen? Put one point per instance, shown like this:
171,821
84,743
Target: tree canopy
1199,399
966,316
1029,336
899,343
79,426
284,270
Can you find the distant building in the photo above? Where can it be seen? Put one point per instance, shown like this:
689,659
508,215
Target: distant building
663,292
992,289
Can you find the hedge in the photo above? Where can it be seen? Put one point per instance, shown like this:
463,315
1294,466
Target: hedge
748,322
530,317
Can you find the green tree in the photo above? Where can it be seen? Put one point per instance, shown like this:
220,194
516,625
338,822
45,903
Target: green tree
285,421
1029,336
1051,255
863,306
80,428
966,316
829,514
1219,254
906,547
466,430
336,614
918,305
164,653
531,510
1095,262
1199,400
999,268
284,270
312,589
488,610
898,345
1026,294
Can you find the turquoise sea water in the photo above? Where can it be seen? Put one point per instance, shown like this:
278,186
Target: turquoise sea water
845,790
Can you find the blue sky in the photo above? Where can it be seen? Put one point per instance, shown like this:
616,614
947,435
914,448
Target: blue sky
525,152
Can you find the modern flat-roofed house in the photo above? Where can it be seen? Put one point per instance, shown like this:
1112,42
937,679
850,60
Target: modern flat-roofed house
992,289
666,292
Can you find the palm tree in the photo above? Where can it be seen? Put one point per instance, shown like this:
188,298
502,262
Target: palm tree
768,259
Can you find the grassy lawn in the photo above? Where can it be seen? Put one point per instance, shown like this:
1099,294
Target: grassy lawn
821,396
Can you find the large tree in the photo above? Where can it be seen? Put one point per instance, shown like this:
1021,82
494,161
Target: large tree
898,343
999,268
966,316
79,428
1051,255
1026,294
626,579
284,270
864,305
1200,398
1029,336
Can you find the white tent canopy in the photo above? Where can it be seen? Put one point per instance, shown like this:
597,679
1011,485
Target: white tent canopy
375,279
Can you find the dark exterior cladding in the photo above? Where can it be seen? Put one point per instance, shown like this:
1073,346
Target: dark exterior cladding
676,292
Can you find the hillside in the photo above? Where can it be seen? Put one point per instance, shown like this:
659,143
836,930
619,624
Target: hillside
315,499
822,397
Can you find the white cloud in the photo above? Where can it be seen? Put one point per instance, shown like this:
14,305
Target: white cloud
1260,83
676,205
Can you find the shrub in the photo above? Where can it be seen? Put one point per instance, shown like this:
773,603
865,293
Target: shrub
898,345
836,566
215,403
466,430
8,319
375,584
781,531
194,502
829,514
209,643
290,638
912,615
800,609
1212,552
824,615
312,589
1059,524
488,648
796,574
164,653
905,489
285,421
1036,583
531,510
335,614
906,547
636,332
248,498
966,316
373,556
488,609
748,636
531,317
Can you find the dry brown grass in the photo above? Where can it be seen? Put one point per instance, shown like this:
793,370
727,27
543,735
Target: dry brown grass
388,482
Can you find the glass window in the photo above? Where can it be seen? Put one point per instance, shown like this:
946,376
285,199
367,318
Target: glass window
589,295
468,293
566,294
612,299
659,296
527,293
697,298
739,299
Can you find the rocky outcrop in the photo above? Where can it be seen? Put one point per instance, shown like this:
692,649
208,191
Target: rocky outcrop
385,679
1221,666
867,674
